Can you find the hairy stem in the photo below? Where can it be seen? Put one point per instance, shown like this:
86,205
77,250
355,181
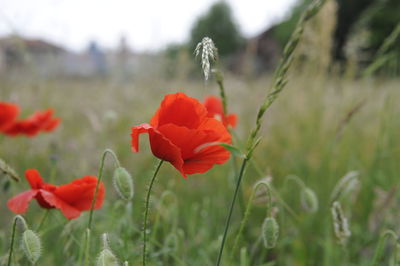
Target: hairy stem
248,208
146,211
381,244
89,226
14,227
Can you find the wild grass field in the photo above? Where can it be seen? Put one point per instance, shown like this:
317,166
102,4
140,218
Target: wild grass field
319,130
319,189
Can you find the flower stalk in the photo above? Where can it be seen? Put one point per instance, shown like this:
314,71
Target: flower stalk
146,212
279,82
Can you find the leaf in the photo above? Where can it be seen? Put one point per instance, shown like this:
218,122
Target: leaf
232,149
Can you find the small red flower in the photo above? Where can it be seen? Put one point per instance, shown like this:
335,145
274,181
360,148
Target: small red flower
216,110
179,133
71,199
31,126
8,114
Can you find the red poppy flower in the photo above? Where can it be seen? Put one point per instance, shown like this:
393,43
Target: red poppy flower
216,110
179,133
8,114
71,199
31,126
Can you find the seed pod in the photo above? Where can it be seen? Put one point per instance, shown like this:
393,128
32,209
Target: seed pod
340,223
123,183
270,232
31,245
107,258
309,200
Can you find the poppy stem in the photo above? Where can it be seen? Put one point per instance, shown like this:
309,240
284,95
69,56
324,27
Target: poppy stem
228,220
43,219
146,210
103,157
16,218
89,226
248,209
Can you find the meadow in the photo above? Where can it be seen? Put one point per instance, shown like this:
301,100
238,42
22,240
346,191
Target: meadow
321,128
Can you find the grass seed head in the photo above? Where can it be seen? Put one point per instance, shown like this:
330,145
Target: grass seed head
208,52
340,223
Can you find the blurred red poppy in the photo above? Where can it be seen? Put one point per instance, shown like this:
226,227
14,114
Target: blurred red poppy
71,199
179,133
8,114
216,110
31,126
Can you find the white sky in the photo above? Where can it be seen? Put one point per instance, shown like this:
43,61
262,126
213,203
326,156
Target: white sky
147,24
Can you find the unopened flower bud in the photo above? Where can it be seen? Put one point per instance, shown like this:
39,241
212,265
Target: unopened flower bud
31,245
107,258
123,183
309,200
270,232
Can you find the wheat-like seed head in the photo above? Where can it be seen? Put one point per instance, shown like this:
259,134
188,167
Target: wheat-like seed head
340,223
208,52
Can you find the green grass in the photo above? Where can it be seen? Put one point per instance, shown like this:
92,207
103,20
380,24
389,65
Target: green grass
299,137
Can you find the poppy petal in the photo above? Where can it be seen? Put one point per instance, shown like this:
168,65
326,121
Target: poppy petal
232,120
180,110
161,147
8,114
67,210
213,105
34,178
190,139
19,204
79,193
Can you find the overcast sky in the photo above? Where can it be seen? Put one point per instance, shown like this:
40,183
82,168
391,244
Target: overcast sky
147,24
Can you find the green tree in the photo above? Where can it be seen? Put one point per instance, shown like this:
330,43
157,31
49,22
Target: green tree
218,24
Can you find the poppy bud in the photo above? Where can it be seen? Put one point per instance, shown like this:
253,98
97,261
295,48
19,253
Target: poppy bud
270,232
106,257
31,246
309,200
123,183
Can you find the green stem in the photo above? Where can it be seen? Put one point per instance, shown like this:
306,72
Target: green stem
248,208
220,82
381,245
43,219
146,211
89,226
228,220
103,157
16,218
276,194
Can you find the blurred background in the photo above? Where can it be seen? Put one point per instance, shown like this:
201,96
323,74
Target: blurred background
122,38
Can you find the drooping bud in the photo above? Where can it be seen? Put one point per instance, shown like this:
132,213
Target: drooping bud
309,200
106,256
340,223
31,246
123,183
270,232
